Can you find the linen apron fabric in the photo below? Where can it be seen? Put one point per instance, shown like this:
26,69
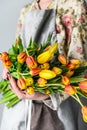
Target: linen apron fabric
39,24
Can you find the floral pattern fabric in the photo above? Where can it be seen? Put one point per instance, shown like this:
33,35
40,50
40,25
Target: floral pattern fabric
71,26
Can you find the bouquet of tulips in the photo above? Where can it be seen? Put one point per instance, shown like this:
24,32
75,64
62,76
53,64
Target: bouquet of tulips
40,67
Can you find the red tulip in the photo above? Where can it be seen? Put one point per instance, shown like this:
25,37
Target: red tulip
71,66
70,89
83,86
31,62
35,71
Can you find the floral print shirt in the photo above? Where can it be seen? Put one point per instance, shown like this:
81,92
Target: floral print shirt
71,28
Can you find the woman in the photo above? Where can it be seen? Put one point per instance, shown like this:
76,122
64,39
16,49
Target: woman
39,111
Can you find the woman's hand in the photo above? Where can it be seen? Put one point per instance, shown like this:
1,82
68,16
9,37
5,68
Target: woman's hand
23,94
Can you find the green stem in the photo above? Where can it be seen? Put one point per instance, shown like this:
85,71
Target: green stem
24,74
13,102
3,100
61,85
79,100
27,52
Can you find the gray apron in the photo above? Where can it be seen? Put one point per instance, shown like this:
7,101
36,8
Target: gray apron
38,24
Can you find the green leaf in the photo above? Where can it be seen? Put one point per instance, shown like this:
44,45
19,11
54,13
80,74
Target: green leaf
15,75
30,42
79,70
20,45
76,80
81,94
47,41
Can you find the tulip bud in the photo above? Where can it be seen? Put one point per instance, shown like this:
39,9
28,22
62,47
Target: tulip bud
21,83
31,62
29,81
35,71
5,56
69,73
7,64
48,47
84,113
75,61
42,82
47,74
57,70
30,90
62,59
70,90
65,80
71,66
44,57
45,66
83,86
53,48
47,91
22,57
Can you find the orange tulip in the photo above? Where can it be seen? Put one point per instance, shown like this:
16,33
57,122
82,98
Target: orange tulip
7,64
57,70
70,89
65,80
84,113
47,91
22,57
75,61
45,66
5,56
83,86
35,71
30,90
31,62
21,83
62,59
42,82
69,73
48,47
71,66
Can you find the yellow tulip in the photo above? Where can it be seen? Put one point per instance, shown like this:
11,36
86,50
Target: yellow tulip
30,90
47,55
29,81
47,74
44,57
53,48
